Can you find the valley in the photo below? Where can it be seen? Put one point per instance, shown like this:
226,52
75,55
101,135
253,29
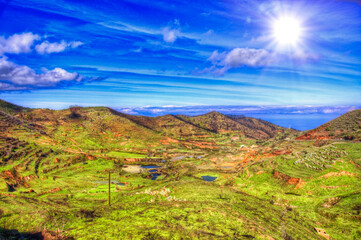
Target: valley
211,176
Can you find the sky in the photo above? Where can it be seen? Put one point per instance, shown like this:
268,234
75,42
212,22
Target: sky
131,54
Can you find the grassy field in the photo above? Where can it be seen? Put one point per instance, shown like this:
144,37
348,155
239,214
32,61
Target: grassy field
235,206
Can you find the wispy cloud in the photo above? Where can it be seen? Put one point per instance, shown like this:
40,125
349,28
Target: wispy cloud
250,57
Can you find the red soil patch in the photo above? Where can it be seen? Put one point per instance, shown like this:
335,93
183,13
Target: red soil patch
54,190
168,141
209,145
14,179
287,179
316,134
8,194
281,152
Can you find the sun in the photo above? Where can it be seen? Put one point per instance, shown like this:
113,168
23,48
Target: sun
287,31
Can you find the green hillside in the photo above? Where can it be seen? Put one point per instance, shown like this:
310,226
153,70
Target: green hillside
347,126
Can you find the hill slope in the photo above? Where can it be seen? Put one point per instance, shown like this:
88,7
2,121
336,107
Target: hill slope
220,123
10,108
347,126
168,124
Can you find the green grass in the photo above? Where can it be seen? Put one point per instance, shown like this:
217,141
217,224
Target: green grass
126,155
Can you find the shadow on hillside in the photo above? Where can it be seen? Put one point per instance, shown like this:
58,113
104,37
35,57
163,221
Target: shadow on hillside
6,234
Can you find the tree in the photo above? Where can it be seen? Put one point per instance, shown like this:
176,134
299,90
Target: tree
74,111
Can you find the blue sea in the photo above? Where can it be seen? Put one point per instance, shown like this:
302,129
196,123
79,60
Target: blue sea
300,122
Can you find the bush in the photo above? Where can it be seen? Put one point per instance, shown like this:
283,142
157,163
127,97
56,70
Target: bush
74,112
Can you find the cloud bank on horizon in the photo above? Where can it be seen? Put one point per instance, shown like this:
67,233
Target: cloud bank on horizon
171,52
236,110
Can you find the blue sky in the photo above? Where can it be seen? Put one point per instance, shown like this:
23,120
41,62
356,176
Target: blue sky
131,54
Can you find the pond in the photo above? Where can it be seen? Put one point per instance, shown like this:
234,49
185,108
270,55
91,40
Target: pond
209,178
152,169
155,176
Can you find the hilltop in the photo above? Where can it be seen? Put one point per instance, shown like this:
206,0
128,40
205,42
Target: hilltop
249,127
347,127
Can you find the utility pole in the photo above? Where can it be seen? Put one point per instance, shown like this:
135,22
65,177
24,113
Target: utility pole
109,189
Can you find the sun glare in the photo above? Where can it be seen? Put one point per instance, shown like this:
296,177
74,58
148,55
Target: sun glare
287,31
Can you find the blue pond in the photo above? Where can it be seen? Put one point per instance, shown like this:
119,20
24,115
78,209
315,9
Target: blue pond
155,176
209,178
152,170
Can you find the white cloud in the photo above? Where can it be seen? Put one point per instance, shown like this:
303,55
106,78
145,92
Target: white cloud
239,57
128,111
157,110
18,43
23,43
170,35
15,77
75,44
47,47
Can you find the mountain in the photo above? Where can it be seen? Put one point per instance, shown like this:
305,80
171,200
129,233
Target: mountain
259,128
347,126
102,119
210,123
92,127
219,123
